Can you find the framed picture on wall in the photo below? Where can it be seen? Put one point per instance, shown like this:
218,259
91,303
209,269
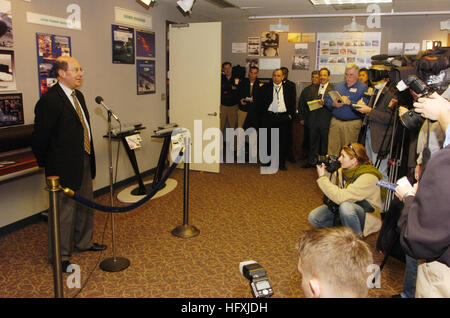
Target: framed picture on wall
6,34
7,76
122,44
145,44
11,110
146,78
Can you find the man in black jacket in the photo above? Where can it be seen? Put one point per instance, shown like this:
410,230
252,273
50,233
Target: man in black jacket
62,144
277,103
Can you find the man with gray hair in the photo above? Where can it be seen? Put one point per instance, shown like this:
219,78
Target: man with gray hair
346,121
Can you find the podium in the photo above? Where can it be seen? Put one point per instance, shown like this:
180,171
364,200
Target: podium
135,193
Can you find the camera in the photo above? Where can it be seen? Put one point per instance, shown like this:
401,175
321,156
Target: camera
259,282
331,162
411,119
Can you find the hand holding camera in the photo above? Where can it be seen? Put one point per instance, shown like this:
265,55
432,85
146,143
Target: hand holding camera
432,107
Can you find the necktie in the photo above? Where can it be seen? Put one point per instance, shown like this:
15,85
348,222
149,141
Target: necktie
87,144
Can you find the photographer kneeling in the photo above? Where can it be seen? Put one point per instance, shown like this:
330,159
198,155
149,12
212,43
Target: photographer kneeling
352,198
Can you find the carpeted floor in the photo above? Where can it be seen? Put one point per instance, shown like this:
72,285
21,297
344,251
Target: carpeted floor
241,214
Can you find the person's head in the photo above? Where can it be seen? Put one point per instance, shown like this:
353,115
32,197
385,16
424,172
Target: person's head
351,74
333,262
352,155
253,73
315,77
277,76
324,75
363,75
285,72
227,68
68,71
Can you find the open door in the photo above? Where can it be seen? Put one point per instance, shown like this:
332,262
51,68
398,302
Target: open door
195,75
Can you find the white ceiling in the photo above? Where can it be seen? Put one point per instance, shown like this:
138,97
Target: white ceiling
206,11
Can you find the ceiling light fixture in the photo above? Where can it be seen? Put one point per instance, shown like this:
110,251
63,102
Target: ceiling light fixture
338,2
186,5
354,27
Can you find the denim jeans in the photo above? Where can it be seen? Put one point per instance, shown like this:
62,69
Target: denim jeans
351,214
409,280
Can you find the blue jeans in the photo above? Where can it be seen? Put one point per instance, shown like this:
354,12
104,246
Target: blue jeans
409,281
351,214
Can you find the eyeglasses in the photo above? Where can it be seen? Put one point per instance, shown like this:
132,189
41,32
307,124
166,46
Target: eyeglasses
76,70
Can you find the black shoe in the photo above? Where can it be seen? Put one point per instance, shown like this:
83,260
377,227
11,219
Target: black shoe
94,248
265,164
65,265
307,166
397,296
283,168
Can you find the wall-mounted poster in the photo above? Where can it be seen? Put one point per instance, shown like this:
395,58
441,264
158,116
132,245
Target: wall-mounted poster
49,48
6,35
253,45
145,70
122,44
249,62
294,37
270,42
11,110
7,74
300,62
335,50
145,44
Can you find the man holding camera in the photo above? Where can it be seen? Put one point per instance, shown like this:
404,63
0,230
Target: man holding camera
424,223
378,117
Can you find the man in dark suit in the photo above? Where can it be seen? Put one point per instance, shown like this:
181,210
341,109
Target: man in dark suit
62,144
378,119
248,113
278,105
317,121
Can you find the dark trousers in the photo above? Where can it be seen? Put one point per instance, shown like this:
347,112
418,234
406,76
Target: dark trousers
283,123
318,141
76,220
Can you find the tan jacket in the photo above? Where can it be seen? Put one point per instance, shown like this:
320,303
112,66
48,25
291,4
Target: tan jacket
363,188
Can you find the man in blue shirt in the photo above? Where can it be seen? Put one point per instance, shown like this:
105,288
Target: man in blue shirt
346,121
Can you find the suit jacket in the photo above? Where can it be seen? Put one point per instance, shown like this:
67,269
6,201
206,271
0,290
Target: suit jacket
380,120
320,116
253,114
289,95
58,137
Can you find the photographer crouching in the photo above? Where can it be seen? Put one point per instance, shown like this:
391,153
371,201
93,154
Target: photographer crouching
351,196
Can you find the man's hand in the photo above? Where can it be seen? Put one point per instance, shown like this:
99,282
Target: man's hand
346,100
404,190
432,107
393,103
337,104
364,109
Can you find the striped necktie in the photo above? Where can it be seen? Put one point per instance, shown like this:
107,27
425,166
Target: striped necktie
87,144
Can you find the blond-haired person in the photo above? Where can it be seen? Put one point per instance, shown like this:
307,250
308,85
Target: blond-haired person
333,263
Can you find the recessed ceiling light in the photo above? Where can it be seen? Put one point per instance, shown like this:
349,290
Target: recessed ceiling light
334,2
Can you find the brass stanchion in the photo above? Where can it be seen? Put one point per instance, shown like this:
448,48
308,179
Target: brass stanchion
185,230
53,188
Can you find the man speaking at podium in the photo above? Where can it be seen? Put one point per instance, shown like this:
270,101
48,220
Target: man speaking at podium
62,144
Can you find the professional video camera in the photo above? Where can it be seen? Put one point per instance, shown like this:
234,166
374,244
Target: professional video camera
259,282
331,162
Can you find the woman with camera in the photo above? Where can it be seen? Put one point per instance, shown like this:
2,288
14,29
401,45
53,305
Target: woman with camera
351,195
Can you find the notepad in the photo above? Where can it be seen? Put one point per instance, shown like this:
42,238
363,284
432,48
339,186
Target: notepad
314,104
335,95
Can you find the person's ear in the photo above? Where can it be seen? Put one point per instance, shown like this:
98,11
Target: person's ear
314,287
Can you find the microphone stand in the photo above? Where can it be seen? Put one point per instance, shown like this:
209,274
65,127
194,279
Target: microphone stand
112,264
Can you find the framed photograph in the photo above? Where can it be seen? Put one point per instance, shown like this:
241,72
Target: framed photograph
6,34
11,110
7,74
145,70
145,44
253,46
270,42
122,44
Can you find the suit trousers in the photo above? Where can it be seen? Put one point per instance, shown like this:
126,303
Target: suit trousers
318,141
342,133
76,220
283,123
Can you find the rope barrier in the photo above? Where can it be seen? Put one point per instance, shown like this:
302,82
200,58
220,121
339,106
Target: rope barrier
112,209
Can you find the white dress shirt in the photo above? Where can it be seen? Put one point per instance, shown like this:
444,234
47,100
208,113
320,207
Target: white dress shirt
278,105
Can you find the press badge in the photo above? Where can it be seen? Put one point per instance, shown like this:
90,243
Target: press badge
353,90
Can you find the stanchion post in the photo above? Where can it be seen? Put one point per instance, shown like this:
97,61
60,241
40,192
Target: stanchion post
53,188
185,230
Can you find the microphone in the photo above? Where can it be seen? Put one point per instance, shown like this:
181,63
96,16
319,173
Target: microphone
99,100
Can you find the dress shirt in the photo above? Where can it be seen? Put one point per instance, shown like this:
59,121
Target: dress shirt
68,92
322,90
278,105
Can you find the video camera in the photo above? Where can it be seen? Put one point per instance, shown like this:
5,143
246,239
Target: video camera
259,282
331,162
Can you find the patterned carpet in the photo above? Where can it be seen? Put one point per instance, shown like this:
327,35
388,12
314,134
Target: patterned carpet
241,214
